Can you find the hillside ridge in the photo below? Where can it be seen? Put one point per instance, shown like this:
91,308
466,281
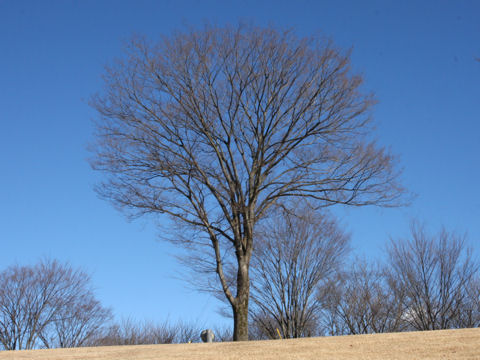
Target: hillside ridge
440,344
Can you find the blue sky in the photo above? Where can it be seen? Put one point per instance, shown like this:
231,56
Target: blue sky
417,56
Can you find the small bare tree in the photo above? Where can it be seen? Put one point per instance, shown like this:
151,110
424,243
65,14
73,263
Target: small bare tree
125,332
77,323
294,252
437,274
361,301
214,127
35,300
468,314
223,334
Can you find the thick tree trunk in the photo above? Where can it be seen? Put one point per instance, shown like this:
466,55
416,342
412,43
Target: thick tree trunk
240,322
240,307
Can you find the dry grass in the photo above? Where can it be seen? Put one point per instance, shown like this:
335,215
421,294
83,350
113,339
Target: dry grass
445,344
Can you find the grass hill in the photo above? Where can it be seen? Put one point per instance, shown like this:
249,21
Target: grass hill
444,344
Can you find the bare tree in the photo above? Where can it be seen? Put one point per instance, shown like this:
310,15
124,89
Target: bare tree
223,334
77,323
131,332
213,127
15,285
361,301
437,274
35,299
189,332
468,314
294,252
125,332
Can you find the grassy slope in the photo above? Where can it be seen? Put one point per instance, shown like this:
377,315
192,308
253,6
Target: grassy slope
445,344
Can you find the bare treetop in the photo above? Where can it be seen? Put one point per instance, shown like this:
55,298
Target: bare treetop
251,111
215,126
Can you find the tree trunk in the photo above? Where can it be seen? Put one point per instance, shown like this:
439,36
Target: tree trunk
240,307
240,322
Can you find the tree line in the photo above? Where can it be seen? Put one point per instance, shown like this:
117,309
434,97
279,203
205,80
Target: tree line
305,285
52,305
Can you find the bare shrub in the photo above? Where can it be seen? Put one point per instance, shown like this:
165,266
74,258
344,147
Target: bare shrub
223,334
132,332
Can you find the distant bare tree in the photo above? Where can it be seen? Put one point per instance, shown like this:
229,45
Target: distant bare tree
263,327
125,332
223,334
15,297
468,314
294,252
35,299
361,301
331,319
131,332
76,324
437,274
214,127
189,332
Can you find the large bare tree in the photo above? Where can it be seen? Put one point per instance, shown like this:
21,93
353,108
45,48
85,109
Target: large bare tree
215,126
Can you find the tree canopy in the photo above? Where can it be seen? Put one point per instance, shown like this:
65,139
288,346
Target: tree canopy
216,126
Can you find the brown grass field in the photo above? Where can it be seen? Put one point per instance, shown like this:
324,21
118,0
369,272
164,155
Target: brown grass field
444,344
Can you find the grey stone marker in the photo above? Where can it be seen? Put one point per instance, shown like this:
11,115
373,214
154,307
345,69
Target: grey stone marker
207,336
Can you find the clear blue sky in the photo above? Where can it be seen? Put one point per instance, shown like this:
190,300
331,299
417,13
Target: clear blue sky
417,56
